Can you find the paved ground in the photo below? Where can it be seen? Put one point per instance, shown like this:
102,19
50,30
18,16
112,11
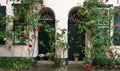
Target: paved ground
49,66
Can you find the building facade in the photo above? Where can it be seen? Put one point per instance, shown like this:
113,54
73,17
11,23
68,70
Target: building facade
52,10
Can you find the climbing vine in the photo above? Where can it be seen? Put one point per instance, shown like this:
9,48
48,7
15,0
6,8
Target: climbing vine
96,23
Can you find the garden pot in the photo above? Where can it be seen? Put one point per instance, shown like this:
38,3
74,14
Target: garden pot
49,59
76,59
41,59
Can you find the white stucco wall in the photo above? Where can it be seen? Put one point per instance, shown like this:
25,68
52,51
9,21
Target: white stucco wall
61,10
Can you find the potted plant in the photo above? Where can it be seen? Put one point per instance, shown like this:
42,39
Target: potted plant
76,56
41,56
50,56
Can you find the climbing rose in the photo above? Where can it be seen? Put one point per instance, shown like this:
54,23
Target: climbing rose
111,54
25,36
43,25
38,29
0,20
30,45
106,0
75,21
88,68
105,13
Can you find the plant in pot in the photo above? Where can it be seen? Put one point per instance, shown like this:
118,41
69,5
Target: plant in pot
76,56
41,56
50,56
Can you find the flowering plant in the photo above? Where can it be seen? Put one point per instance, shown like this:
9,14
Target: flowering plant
41,55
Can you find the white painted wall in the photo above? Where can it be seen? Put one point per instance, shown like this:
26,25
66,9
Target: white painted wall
61,9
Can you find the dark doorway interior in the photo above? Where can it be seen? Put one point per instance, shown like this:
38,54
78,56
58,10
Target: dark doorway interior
44,37
76,41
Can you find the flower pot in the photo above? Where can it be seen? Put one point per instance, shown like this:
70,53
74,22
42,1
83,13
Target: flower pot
41,59
49,59
76,59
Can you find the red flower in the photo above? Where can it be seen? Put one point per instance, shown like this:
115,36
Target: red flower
88,68
30,45
111,54
110,51
14,20
0,20
43,25
38,29
75,21
106,0
25,36
105,13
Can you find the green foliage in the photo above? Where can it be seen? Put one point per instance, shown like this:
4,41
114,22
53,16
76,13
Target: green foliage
76,54
95,23
50,55
104,61
58,62
18,63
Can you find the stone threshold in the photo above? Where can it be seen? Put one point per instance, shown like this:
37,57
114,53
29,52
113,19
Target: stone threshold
52,62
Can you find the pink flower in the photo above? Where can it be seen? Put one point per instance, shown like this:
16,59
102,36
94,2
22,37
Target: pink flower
88,68
41,55
75,21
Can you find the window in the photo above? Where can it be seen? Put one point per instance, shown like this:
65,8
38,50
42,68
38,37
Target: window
104,26
116,35
19,26
2,23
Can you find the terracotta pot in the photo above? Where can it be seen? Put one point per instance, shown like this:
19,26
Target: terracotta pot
49,59
41,59
76,59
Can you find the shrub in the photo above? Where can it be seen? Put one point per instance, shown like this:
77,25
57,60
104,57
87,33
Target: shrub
21,63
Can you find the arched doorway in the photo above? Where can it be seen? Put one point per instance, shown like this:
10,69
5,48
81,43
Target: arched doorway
47,17
76,41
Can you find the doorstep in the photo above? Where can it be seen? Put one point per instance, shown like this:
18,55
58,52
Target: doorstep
52,62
